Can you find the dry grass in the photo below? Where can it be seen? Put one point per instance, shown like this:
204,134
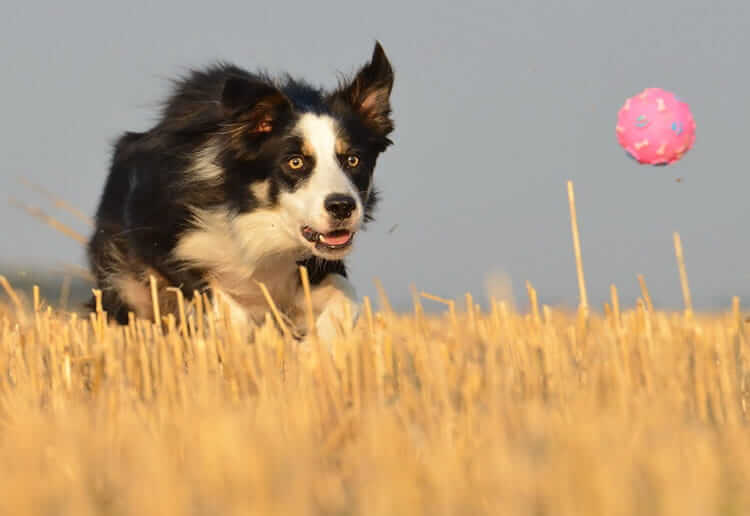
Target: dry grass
632,412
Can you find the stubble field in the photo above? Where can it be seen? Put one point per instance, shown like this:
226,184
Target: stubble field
501,411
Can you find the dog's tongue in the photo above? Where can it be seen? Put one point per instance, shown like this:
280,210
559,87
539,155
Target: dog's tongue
336,237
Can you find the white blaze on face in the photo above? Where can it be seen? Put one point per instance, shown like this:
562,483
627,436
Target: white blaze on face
306,204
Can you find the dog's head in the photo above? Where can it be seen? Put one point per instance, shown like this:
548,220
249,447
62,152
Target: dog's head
309,155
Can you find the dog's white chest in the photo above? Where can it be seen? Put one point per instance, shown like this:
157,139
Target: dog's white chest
242,294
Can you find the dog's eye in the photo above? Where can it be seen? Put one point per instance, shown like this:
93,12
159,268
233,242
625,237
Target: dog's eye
296,163
352,160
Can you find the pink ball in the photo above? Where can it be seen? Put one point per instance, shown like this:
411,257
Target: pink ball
655,127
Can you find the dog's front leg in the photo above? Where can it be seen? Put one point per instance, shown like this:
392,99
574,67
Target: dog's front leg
335,307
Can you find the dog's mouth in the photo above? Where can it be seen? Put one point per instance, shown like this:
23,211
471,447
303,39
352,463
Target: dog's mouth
333,240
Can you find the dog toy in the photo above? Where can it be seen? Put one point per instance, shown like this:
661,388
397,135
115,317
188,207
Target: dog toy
655,127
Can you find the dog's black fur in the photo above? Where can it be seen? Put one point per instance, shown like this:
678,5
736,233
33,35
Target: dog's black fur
244,119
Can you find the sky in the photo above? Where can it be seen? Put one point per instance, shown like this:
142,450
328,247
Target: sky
497,105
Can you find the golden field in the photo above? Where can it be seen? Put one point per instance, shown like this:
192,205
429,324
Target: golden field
507,412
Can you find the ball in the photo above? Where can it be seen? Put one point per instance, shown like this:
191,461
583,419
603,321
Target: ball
655,127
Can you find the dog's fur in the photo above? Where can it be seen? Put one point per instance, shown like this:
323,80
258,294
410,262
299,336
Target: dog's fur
231,188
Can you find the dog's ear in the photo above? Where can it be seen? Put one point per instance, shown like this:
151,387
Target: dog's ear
370,90
254,103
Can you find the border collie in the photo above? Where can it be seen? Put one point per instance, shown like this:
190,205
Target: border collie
243,179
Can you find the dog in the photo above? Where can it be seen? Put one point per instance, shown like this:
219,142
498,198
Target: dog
243,179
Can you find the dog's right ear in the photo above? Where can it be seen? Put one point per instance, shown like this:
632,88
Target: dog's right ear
254,103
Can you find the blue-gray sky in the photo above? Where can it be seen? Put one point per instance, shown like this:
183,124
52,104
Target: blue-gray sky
497,104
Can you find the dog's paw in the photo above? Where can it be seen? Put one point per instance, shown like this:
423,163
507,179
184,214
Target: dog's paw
337,319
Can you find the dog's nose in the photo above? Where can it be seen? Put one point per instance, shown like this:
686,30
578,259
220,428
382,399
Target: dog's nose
340,206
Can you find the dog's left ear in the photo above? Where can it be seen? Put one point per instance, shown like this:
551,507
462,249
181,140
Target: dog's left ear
369,92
